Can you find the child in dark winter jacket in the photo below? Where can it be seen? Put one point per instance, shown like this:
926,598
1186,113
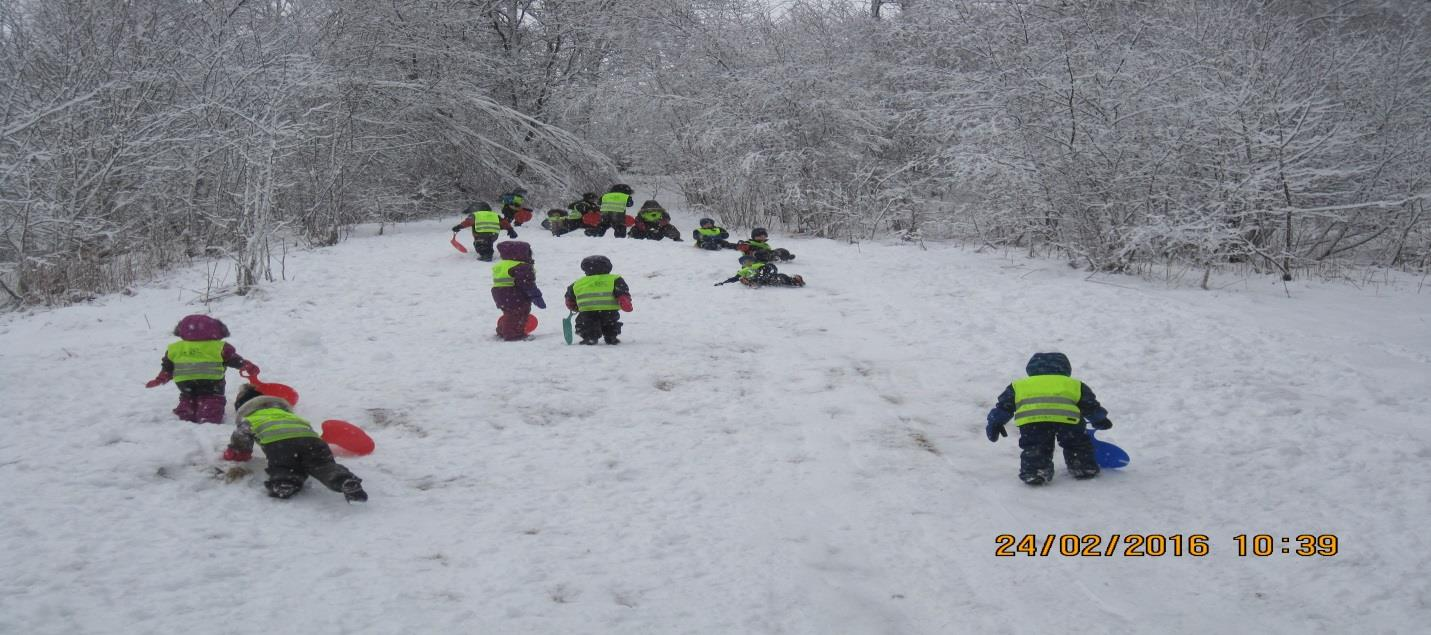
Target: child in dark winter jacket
708,236
196,365
514,289
485,224
754,273
759,246
1049,405
514,203
653,223
294,450
596,298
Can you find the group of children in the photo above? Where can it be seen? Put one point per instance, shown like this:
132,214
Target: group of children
1049,406
196,364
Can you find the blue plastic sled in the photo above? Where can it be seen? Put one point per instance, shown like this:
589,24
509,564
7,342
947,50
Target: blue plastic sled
1106,454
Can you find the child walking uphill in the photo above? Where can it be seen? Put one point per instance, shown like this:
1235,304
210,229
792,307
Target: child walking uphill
196,365
485,224
514,289
1049,405
294,451
756,274
596,297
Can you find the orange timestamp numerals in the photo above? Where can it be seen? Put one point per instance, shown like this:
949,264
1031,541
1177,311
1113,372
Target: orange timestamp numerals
1098,545
1158,545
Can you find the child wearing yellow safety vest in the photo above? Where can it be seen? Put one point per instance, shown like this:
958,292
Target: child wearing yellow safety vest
654,223
613,211
485,225
293,449
196,365
596,298
1049,405
754,273
514,289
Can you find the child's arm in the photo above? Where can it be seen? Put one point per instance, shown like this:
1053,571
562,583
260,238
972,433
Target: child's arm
623,295
524,277
1000,415
1093,411
233,360
166,373
570,299
240,443
466,222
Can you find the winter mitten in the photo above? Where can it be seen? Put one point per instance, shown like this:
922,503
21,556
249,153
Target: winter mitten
625,302
994,431
231,454
161,378
456,228
248,368
511,233
1101,424
539,302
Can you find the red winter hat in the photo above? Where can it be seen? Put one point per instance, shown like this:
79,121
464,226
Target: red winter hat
201,327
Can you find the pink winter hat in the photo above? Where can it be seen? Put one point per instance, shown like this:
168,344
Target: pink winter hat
201,327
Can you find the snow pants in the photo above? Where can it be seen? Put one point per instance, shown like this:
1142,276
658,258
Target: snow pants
201,401
294,460
591,325
1036,440
617,223
512,326
482,244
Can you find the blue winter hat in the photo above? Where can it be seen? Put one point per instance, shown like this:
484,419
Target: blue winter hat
1049,364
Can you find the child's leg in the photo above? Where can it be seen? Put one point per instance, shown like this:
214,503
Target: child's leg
588,325
1036,459
187,409
482,243
318,462
1077,450
610,326
285,468
512,326
210,408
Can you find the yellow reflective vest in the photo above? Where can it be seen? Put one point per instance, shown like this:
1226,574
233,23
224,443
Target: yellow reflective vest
201,359
1042,398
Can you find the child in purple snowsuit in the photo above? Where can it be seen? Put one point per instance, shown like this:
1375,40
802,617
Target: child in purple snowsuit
196,365
514,289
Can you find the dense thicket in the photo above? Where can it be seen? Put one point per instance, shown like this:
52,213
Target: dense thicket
1286,135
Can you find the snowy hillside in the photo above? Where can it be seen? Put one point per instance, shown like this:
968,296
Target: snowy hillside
746,461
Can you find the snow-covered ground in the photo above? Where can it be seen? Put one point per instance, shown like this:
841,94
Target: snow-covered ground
746,461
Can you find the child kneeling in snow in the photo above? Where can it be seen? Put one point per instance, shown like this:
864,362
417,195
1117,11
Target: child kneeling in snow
754,273
293,449
196,365
1049,405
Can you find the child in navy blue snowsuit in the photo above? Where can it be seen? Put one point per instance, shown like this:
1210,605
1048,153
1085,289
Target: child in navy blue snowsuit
1049,405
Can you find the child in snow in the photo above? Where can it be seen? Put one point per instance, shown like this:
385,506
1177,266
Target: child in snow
708,236
513,204
584,213
613,211
1049,405
196,365
759,246
514,289
756,274
294,451
557,222
485,224
596,297
653,223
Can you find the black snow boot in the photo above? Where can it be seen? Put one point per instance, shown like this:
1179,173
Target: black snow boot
1039,477
353,491
282,489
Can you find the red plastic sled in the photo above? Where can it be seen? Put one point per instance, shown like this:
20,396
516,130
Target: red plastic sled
591,219
523,215
530,326
348,437
630,221
456,245
282,391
